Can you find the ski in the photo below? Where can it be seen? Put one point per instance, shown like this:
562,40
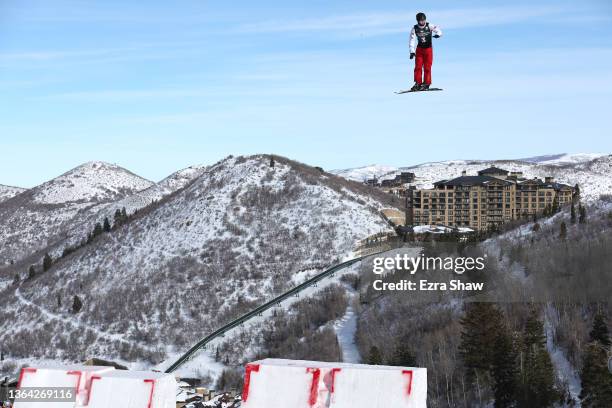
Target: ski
418,90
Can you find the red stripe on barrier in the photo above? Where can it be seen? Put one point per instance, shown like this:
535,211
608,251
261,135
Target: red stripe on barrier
314,385
410,374
22,374
78,374
334,371
247,380
151,393
93,377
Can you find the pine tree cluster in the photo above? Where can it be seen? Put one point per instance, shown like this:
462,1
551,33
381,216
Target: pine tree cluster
516,365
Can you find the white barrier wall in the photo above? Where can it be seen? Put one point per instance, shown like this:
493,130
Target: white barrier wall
102,387
275,383
77,377
133,389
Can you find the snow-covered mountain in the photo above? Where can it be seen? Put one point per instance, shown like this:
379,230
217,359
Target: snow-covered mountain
365,172
591,171
42,215
80,229
7,192
232,237
157,191
563,158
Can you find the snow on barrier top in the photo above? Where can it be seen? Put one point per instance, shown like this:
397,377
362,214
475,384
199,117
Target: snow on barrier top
101,387
273,383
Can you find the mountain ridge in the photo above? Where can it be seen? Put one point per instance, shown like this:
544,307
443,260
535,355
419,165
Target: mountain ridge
232,236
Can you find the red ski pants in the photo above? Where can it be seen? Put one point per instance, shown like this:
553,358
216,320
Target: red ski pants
424,59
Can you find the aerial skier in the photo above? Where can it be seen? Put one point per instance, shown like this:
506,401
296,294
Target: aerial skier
421,48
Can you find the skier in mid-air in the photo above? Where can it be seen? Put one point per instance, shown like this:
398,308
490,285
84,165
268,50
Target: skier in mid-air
421,48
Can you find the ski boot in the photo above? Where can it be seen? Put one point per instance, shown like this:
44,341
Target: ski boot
416,87
424,87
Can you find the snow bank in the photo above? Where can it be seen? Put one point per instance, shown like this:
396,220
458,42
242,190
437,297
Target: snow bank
275,383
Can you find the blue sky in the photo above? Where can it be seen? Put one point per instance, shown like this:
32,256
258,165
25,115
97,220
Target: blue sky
156,86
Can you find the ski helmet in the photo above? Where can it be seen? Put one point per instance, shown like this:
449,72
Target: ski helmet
421,16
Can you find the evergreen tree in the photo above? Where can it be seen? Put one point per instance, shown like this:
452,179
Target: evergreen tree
600,332
375,358
77,304
480,325
31,272
107,226
534,331
576,196
581,214
47,262
555,205
595,377
97,230
537,376
573,213
536,227
272,161
59,300
504,371
16,279
118,218
403,356
563,231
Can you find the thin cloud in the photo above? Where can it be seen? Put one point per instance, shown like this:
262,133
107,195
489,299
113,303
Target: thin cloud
383,23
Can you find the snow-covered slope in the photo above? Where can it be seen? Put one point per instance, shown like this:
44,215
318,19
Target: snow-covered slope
42,215
231,238
564,158
158,191
134,202
591,171
92,181
365,172
7,192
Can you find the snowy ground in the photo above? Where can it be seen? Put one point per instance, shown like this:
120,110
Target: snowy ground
564,369
345,329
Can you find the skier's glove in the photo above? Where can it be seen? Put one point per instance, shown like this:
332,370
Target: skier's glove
412,55
436,36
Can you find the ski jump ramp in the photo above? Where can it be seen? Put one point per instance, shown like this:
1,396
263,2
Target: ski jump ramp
273,383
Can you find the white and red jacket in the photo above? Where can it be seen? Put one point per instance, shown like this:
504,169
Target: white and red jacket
421,36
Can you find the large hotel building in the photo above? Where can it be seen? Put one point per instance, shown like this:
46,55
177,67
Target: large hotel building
493,197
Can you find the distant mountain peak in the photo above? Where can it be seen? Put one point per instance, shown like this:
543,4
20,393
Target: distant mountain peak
94,180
